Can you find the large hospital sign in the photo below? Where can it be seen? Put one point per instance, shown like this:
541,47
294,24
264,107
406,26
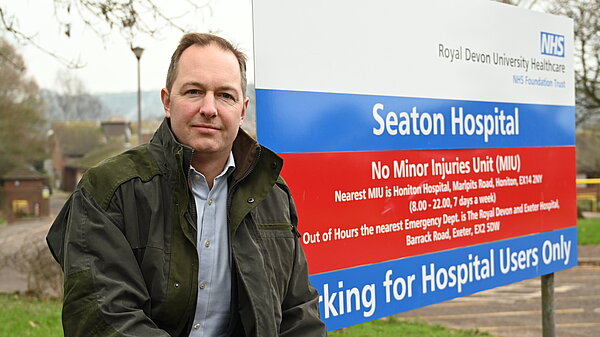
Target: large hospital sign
429,145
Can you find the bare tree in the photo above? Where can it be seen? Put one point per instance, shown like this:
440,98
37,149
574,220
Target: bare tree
588,157
130,18
72,101
586,16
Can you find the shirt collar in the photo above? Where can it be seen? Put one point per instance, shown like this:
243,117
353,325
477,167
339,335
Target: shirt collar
229,167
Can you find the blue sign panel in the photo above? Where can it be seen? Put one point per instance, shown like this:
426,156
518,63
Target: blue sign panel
296,121
361,294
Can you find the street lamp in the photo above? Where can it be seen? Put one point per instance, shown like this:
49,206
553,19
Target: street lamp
138,54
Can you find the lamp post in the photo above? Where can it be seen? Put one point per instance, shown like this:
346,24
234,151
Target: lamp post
138,54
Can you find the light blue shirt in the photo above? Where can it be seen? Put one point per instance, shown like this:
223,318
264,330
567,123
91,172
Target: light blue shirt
214,276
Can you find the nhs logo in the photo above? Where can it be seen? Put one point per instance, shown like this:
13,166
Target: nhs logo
552,44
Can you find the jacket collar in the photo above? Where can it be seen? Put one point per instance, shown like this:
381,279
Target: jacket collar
246,150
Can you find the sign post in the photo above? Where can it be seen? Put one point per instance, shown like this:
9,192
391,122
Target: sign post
429,145
548,305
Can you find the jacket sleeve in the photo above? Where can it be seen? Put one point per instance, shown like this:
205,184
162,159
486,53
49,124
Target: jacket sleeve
104,290
300,307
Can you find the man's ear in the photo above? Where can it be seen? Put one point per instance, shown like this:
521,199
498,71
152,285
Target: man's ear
166,100
244,110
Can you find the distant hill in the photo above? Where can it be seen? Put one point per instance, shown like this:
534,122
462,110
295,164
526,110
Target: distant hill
125,104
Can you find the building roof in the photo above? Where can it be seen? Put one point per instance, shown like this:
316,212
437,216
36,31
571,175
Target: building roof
24,173
111,148
116,119
77,138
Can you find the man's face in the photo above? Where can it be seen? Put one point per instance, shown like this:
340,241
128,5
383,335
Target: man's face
206,105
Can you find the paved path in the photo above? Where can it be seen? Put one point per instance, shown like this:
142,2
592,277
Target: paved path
13,237
514,310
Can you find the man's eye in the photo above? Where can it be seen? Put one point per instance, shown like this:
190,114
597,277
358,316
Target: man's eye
227,96
193,92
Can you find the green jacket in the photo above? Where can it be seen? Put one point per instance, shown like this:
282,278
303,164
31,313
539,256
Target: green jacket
126,240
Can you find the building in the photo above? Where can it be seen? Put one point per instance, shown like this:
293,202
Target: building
69,142
76,146
25,194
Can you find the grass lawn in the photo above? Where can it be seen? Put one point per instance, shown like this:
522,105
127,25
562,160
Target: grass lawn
393,327
28,316
588,231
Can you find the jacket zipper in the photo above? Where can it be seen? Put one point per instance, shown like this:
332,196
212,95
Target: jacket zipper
233,260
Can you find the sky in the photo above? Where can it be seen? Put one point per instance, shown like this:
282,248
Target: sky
109,64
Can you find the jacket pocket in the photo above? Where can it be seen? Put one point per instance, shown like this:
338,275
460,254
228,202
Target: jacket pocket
273,216
275,242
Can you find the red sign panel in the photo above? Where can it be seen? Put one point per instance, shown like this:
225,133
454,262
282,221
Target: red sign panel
387,205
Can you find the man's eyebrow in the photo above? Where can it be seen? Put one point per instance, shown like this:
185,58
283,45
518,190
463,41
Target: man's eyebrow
200,85
192,84
227,87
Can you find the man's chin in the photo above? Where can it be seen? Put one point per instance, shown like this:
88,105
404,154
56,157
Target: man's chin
205,148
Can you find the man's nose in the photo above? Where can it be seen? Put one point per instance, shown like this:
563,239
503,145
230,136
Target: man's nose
209,107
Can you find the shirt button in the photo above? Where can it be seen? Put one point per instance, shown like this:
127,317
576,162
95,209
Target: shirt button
197,326
202,285
210,201
207,243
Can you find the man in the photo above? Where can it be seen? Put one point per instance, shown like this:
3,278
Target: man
194,233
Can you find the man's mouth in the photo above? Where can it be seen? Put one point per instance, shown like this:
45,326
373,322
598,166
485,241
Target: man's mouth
205,127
